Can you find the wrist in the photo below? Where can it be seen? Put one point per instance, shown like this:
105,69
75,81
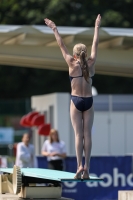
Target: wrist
48,154
54,28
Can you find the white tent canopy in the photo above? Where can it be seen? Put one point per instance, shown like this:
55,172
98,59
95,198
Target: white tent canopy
35,46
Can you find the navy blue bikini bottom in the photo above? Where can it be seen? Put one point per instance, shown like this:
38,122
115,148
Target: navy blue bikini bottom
82,103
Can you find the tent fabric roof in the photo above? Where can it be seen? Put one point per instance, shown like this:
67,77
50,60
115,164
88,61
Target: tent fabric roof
35,46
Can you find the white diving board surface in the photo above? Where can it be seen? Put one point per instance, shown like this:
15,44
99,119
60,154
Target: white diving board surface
47,174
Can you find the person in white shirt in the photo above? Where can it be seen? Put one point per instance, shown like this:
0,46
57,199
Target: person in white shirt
54,150
25,156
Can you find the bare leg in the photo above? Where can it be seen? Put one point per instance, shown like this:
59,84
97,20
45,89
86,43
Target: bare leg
76,119
88,117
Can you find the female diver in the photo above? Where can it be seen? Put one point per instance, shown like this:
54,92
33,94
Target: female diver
81,69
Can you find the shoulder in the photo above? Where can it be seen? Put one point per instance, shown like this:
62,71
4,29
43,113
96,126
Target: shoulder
31,146
73,66
46,142
91,62
71,61
20,144
62,143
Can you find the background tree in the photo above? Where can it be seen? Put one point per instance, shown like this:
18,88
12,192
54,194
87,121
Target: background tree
67,12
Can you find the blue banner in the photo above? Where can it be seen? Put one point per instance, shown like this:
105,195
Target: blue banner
116,172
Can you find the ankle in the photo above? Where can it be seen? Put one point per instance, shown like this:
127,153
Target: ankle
86,167
80,166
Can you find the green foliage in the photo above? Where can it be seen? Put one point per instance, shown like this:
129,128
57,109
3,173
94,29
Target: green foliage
115,13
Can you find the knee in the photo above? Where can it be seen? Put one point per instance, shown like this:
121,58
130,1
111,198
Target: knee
87,134
79,135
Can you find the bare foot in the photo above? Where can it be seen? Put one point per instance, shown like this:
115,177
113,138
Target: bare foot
85,173
79,173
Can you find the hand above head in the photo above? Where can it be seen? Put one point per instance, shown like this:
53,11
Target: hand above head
50,23
98,21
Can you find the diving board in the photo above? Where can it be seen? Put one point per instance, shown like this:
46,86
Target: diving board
47,174
24,182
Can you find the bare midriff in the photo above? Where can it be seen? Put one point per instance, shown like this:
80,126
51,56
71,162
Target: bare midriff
80,87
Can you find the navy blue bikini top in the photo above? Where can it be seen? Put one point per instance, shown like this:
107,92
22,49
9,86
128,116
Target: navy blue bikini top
71,78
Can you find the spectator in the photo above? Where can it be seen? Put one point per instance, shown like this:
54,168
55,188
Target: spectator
54,150
25,156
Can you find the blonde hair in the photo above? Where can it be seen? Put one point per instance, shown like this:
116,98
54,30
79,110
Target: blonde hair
80,50
50,135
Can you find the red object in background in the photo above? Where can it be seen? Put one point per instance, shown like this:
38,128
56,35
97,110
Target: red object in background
37,120
30,116
23,122
44,129
27,119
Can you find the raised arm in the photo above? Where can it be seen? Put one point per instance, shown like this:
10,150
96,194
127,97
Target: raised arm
59,40
92,58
